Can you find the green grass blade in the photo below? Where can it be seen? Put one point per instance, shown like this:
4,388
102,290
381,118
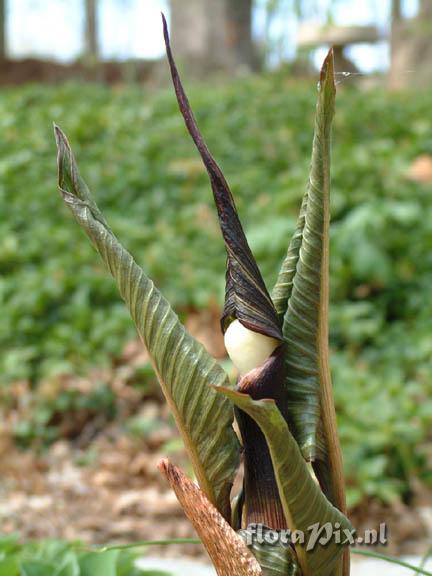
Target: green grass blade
357,551
426,556
183,366
303,501
391,559
144,543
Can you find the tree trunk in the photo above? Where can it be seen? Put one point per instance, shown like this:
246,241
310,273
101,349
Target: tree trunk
411,49
396,12
91,32
2,30
213,35
425,9
395,26
239,37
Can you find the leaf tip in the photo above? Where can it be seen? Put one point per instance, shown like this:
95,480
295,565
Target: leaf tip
164,466
170,471
63,150
165,30
66,167
60,137
327,70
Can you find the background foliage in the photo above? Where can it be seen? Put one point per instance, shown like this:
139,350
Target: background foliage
60,312
59,558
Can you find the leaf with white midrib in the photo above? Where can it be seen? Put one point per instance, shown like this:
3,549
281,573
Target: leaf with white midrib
183,366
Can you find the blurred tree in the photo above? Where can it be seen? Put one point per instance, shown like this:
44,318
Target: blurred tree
239,33
91,51
270,44
425,9
411,46
2,30
396,18
396,10
210,35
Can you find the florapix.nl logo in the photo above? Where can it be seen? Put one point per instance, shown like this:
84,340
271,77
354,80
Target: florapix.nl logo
316,534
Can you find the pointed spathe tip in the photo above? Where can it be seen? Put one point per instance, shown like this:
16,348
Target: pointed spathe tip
57,131
60,136
327,70
165,28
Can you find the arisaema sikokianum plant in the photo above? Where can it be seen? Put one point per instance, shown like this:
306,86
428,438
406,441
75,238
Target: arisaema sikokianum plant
282,402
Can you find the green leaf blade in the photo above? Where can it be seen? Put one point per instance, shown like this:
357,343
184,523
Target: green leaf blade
303,284
183,366
304,503
303,270
302,287
277,559
96,564
282,289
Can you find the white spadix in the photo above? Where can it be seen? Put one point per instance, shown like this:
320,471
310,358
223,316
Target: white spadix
246,348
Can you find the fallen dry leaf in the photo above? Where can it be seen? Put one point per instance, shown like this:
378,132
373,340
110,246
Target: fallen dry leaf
421,169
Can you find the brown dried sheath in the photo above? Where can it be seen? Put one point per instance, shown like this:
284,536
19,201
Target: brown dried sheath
228,552
246,296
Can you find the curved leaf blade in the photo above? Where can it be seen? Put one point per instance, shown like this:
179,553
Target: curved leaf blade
183,366
304,312
246,296
303,287
303,281
303,502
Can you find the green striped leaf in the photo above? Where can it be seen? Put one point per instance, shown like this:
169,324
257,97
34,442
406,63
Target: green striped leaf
304,312
282,289
183,366
304,504
302,289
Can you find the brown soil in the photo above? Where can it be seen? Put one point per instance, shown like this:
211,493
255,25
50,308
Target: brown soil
29,70
99,482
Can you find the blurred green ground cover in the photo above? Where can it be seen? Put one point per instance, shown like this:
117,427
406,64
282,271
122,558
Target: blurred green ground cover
60,312
61,558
